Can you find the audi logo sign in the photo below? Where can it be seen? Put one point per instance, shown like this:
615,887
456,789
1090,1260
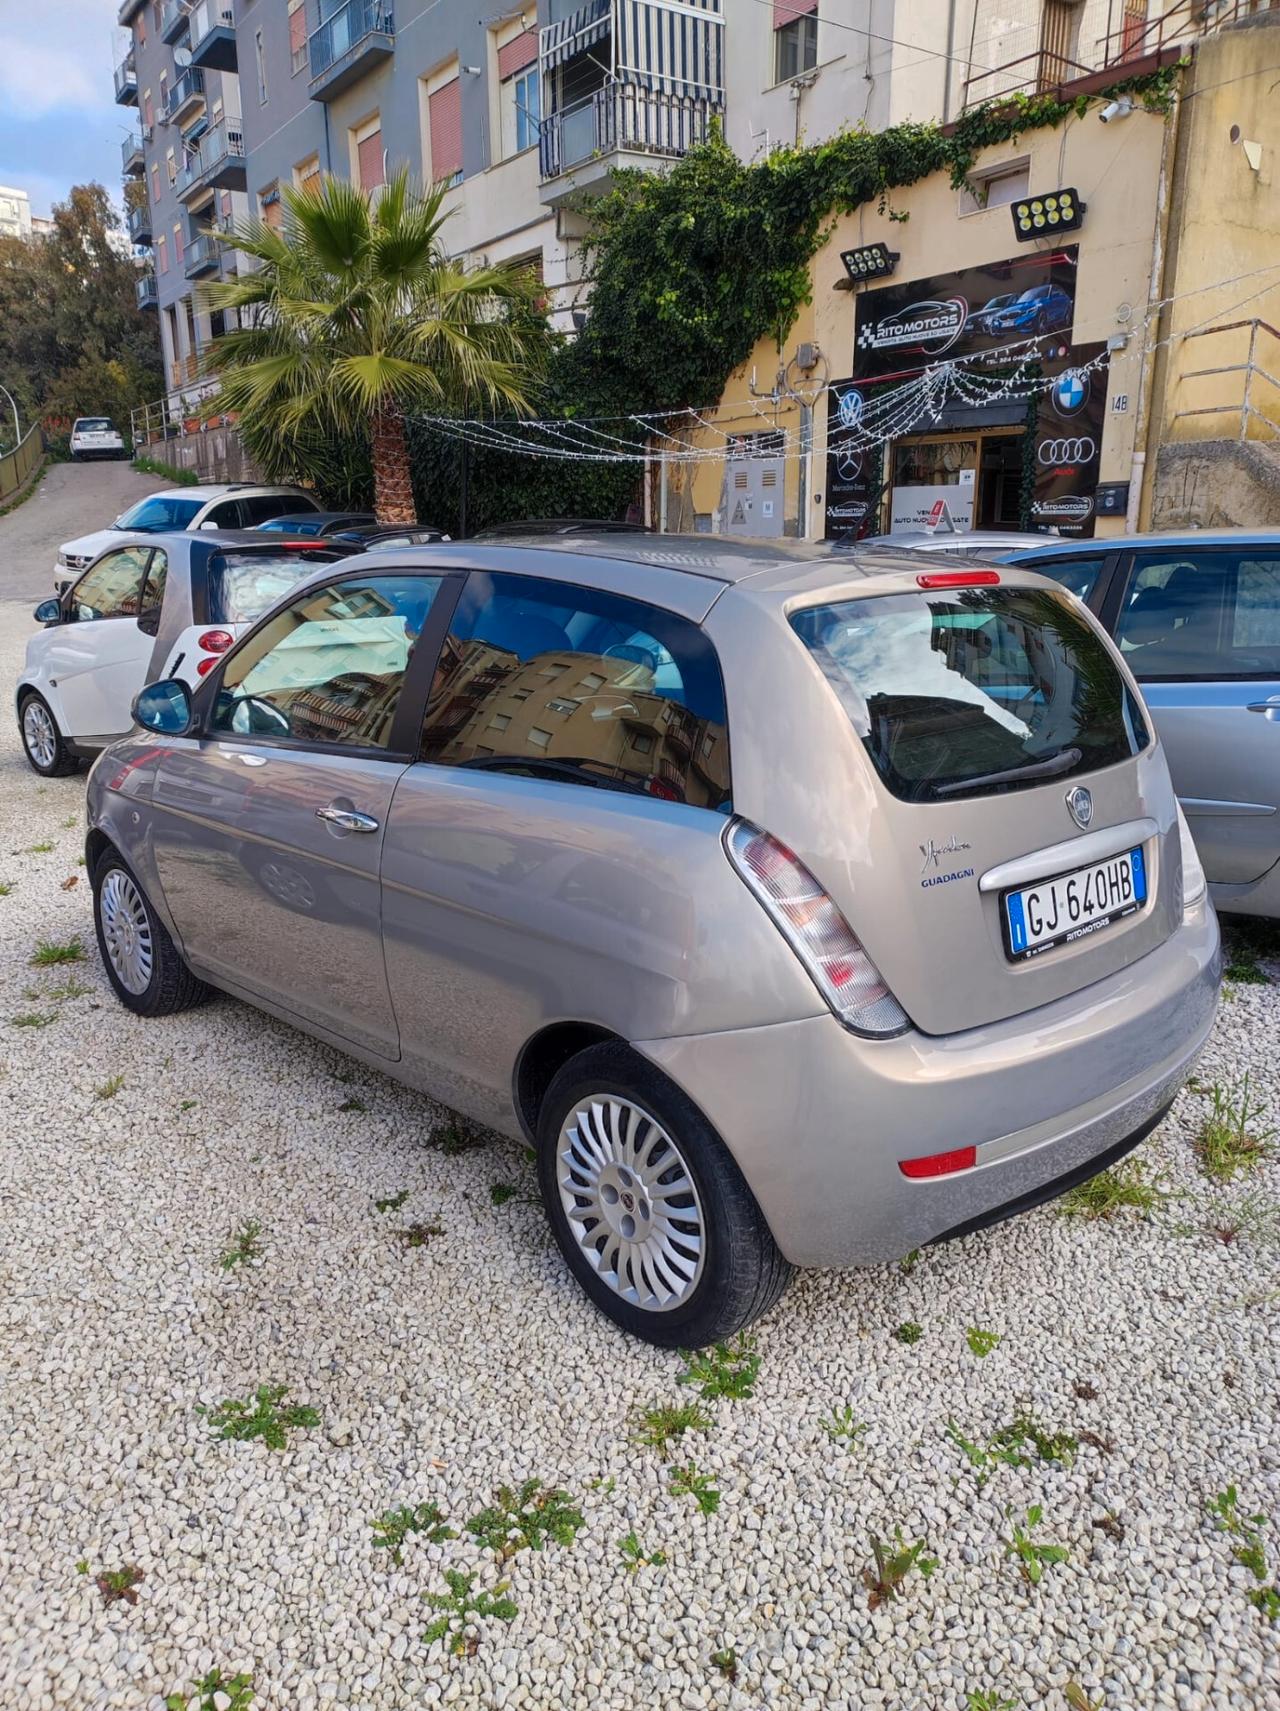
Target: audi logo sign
1079,450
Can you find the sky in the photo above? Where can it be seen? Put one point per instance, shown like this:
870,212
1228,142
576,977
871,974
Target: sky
59,123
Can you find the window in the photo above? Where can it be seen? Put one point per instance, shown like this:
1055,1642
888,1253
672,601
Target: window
1080,575
1208,615
162,254
795,37
160,513
329,668
521,91
974,692
270,208
370,165
260,60
155,182
306,175
171,165
297,36
445,105
490,692
228,515
177,245
243,585
113,587
148,111
264,505
157,573
996,188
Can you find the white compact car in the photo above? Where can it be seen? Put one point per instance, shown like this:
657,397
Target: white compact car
95,436
235,505
151,607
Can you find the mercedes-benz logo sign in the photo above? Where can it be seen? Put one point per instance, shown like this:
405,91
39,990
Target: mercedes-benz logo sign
1080,806
848,465
1082,450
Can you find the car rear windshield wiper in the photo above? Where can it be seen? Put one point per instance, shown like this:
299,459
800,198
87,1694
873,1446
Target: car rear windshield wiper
1063,761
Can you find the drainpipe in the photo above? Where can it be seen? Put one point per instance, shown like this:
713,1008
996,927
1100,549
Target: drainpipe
1155,291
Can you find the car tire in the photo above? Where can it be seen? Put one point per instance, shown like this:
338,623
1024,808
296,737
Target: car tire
145,967
602,1106
42,742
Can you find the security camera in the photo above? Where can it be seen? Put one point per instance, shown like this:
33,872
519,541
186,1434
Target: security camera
1120,108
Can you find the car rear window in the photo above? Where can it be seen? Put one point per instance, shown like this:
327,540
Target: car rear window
93,425
243,585
974,691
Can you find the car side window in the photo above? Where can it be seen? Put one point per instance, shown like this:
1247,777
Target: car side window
112,588
576,685
260,507
228,515
1206,615
1079,575
330,667
157,574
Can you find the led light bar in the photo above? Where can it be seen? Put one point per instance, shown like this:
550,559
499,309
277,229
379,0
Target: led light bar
1047,216
872,261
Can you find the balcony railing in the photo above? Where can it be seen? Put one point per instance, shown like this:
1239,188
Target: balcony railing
126,80
173,21
1248,383
147,292
133,157
139,223
218,163
188,90
622,117
184,370
213,35
204,255
356,37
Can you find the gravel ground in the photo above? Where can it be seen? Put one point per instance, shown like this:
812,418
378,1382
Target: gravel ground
443,1371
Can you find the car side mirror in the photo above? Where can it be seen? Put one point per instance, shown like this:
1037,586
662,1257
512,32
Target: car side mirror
48,612
210,524
164,708
149,622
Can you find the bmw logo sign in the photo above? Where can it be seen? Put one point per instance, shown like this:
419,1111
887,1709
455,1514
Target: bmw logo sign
1071,392
852,405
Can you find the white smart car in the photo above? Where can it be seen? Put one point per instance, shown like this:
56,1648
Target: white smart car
95,436
150,607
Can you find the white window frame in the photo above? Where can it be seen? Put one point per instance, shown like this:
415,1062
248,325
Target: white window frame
975,192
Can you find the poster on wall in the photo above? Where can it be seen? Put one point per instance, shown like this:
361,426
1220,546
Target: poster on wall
1069,423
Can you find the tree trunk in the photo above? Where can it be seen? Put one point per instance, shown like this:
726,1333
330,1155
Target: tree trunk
392,484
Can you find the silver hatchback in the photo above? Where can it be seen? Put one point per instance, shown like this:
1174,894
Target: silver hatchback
798,910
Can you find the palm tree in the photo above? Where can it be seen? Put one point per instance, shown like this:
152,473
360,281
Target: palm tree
355,314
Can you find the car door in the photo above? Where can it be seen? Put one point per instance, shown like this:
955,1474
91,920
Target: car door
226,514
98,656
269,820
1200,630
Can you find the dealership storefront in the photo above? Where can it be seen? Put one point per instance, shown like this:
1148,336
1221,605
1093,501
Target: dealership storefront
969,406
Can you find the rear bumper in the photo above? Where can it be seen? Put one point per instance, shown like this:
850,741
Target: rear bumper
818,1118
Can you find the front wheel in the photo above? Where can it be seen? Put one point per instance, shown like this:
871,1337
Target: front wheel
42,741
142,962
652,1215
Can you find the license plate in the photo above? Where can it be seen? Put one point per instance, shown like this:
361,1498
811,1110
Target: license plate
1074,905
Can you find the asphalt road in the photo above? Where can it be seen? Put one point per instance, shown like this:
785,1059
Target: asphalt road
73,499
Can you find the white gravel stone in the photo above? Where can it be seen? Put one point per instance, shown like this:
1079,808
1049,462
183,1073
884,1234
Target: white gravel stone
445,1371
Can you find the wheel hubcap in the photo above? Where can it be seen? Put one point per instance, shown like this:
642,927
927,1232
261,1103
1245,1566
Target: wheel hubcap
631,1202
126,931
38,733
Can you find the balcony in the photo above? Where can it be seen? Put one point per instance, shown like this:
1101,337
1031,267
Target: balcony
203,256
173,21
185,97
358,37
127,81
133,159
139,224
218,164
619,125
213,36
147,292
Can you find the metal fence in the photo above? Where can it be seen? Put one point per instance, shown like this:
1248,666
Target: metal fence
16,466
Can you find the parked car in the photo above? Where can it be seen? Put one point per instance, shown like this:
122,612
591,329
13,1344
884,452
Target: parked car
980,319
1197,618
368,536
521,826
315,522
1039,309
559,526
993,546
95,436
234,505
151,606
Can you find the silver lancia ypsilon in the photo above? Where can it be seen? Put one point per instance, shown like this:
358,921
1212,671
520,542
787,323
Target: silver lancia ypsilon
799,909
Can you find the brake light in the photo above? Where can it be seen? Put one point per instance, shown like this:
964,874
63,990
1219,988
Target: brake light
958,578
215,641
939,1164
205,666
817,932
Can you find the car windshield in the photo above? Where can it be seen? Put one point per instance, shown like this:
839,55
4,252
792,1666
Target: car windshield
93,425
163,511
243,585
974,691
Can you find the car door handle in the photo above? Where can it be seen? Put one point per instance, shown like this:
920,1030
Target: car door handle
349,819
1271,706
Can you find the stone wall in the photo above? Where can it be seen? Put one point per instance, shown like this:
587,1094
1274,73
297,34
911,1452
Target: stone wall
215,454
1216,484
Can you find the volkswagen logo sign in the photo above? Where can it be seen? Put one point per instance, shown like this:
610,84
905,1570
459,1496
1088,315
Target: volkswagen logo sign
851,406
1080,806
1082,450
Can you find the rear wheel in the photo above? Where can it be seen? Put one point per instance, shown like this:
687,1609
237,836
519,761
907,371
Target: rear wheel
142,962
652,1215
42,741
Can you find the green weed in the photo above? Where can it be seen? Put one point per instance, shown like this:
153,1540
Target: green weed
1225,1510
188,1105
418,1235
50,954
895,1562
119,1583
1033,1559
245,1246
1267,1600
981,1343
455,1137
843,1427
688,1482
392,1529
392,1202
909,1332
1110,1191
1077,1698
635,1556
262,1417
215,1692
109,1088
1226,1145
726,1662
526,1519
462,1607
985,1458
1254,1219
5,888
1024,1429
729,1369
69,988
353,1104
988,1700
656,1427
34,1018
37,849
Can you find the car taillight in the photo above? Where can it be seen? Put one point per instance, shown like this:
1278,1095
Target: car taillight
816,931
939,1164
1194,883
957,578
215,641
205,666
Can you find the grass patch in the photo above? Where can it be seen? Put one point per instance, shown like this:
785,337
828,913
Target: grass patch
1227,1144
1247,943
392,1529
525,1518
656,1427
263,1416
34,1018
353,1104
688,1482
842,1427
729,1369
37,849
1112,1191
49,954
70,988
981,1343
1032,1558
455,1138
119,1584
909,1332
392,1202
245,1247
726,1662
5,888
636,1557
109,1088
418,1235
1254,1219
166,471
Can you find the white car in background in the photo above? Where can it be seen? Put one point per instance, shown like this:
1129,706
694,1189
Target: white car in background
150,607
230,505
95,436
